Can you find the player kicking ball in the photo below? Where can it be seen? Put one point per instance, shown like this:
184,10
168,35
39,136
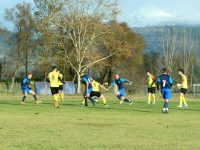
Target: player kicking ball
151,83
165,82
120,92
26,89
183,88
96,91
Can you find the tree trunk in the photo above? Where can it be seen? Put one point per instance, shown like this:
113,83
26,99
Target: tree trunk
13,78
110,76
78,83
26,63
1,67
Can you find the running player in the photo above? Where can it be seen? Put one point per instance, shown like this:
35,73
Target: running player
53,78
61,84
120,92
151,83
26,89
165,82
96,91
183,88
86,79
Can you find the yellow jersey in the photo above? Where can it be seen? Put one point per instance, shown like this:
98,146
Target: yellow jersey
53,78
184,82
95,86
151,81
61,77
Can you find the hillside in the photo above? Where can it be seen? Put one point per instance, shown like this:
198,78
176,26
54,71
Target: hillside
153,36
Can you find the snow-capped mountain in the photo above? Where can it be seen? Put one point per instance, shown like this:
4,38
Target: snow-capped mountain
150,15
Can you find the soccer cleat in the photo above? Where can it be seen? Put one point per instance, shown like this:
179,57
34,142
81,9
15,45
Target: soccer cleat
179,106
105,105
121,101
186,105
37,101
23,103
131,103
153,103
148,102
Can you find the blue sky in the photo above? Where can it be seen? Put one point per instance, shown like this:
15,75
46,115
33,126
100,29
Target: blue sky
189,8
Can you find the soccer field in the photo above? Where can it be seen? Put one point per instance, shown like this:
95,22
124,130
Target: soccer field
117,127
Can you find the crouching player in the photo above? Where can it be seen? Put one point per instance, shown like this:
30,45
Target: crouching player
183,88
165,82
120,92
26,89
53,78
96,91
86,79
151,83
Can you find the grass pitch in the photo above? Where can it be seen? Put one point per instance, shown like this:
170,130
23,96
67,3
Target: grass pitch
118,127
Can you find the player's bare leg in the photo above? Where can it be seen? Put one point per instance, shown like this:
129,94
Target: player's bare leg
34,96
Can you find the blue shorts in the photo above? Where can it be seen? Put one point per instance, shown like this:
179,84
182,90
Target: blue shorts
122,92
88,92
166,93
25,90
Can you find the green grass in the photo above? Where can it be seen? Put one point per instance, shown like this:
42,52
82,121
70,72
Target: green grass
118,127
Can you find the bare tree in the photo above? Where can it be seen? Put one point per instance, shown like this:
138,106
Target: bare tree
170,48
189,50
83,22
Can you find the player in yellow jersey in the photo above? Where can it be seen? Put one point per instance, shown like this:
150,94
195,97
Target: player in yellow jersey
183,88
96,91
53,78
151,83
61,84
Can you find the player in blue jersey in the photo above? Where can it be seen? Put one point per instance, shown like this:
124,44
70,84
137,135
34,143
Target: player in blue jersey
165,82
86,79
26,89
119,89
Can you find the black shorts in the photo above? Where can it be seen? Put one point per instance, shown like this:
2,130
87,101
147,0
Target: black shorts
61,87
94,93
152,90
54,90
184,91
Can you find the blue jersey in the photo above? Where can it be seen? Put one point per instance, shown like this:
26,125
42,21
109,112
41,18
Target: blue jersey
25,82
87,79
119,82
165,81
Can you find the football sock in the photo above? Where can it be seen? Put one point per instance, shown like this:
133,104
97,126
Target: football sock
104,101
149,98
23,99
86,102
92,100
181,100
35,98
55,97
166,105
154,98
62,95
119,97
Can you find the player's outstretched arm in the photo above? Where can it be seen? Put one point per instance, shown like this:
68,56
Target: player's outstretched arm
103,87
